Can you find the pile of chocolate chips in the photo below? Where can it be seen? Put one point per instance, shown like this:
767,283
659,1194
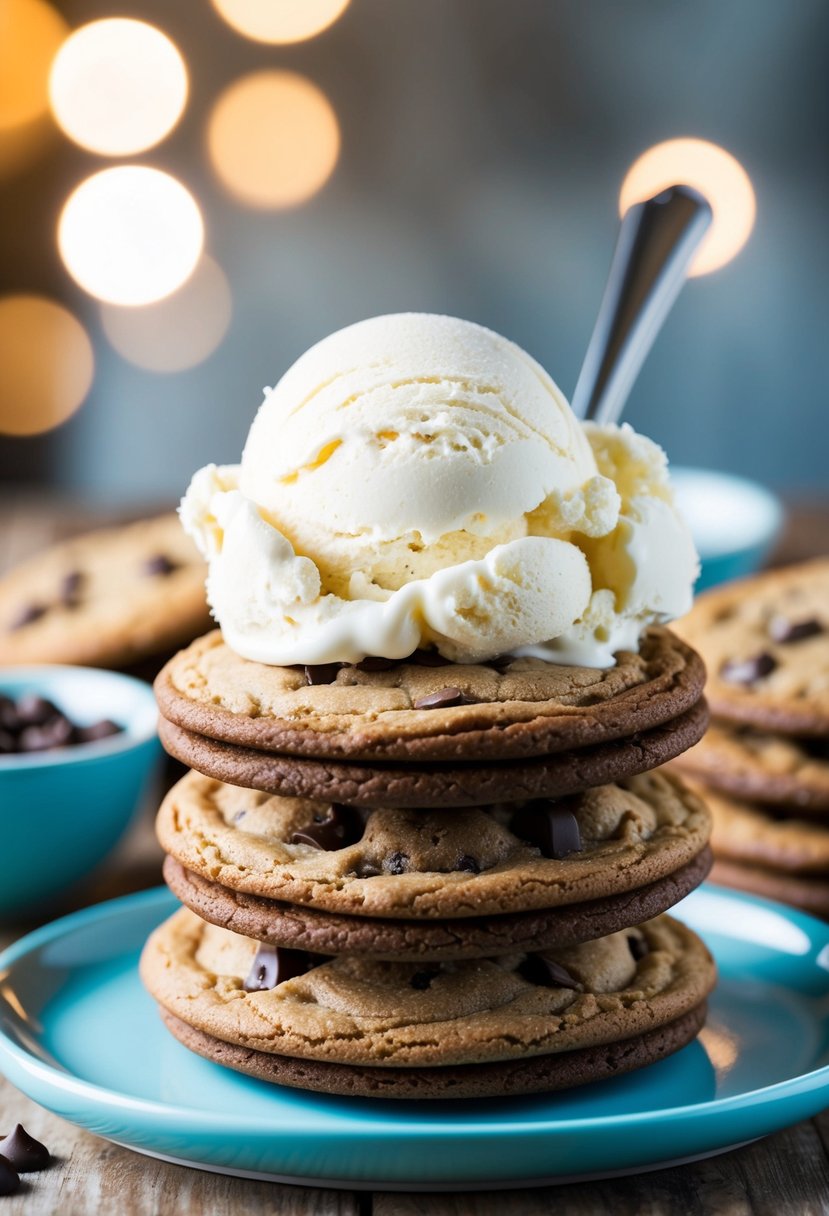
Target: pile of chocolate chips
34,724
20,1154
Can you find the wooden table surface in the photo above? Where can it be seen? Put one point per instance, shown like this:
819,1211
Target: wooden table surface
784,1175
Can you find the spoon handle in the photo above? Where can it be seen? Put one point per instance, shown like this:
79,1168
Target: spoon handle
657,240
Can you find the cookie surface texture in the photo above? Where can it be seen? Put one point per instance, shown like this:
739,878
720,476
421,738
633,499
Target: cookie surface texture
529,708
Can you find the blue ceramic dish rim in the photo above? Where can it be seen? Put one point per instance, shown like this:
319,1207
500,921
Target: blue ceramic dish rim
772,504
209,1122
127,740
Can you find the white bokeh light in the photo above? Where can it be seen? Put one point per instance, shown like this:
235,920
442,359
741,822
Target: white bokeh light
130,235
117,86
716,175
280,21
179,331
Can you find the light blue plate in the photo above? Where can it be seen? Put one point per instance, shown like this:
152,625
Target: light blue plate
79,1035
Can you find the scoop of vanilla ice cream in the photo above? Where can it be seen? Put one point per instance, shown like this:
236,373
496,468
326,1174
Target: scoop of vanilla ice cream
405,444
418,480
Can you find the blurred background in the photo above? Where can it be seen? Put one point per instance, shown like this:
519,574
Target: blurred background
276,169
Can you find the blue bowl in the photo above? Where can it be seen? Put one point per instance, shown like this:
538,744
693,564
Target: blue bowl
62,811
734,522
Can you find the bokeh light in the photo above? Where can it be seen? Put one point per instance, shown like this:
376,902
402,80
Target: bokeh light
47,363
280,20
717,176
117,86
130,235
178,332
273,139
30,34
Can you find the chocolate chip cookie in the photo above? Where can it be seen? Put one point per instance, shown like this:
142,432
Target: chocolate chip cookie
423,709
765,641
426,865
755,835
303,927
781,770
106,599
436,1031
468,783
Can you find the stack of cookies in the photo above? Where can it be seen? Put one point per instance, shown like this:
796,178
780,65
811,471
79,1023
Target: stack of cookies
424,879
764,763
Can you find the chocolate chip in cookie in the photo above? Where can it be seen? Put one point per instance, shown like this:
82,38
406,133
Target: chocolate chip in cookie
782,629
273,965
342,826
544,972
444,698
321,673
748,671
159,565
550,826
28,615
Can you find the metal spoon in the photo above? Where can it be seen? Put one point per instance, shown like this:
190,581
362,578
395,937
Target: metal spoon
657,240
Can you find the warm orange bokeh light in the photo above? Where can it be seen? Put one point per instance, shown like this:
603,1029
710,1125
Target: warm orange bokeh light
117,86
717,175
178,332
280,20
47,363
273,139
30,34
130,235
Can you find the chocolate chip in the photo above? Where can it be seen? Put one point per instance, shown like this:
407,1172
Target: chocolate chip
70,588
366,869
501,663
396,863
748,671
342,826
28,615
97,730
9,719
9,1177
638,947
442,699
322,673
465,862
428,658
537,969
273,965
781,629
372,663
56,732
8,742
34,710
550,826
421,980
24,1152
159,564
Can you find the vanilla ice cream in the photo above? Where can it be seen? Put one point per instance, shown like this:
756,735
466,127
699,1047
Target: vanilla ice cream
416,480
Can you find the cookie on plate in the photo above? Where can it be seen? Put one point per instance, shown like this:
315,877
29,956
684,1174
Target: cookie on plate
423,710
109,598
462,1029
765,641
781,770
